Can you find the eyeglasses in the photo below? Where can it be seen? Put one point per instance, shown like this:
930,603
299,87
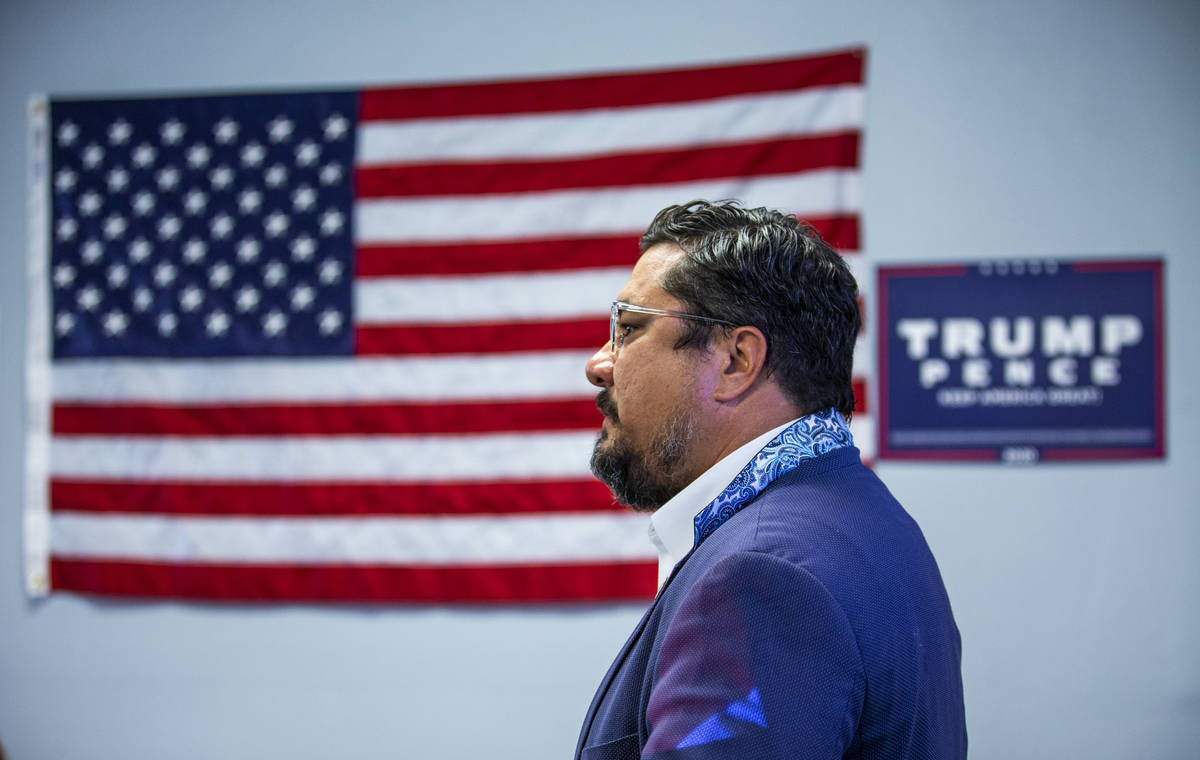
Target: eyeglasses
614,316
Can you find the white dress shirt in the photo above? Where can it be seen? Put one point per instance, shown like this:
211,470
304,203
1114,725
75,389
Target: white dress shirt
672,527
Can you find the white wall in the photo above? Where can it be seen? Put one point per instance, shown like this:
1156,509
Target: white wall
1014,128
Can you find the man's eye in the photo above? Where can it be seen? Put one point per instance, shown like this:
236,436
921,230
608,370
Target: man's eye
623,331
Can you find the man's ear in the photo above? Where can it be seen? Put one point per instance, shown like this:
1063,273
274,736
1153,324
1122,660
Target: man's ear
743,354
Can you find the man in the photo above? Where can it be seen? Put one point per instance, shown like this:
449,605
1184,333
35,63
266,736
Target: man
800,614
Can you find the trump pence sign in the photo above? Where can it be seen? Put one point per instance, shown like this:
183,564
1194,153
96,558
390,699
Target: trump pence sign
1022,361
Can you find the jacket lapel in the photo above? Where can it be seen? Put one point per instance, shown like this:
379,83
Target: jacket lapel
615,668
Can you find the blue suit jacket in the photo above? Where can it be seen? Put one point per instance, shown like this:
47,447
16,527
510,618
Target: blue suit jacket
812,624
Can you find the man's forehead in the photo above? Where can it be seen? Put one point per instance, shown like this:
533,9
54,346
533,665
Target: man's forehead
645,283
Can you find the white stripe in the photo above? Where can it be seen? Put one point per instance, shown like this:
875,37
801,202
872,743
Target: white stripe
489,298
860,268
862,427
612,130
864,355
592,211
556,374
549,375
36,522
517,539
308,459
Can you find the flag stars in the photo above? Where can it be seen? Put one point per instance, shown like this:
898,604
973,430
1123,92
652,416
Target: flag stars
172,132
280,129
68,133
93,156
199,155
276,176
220,275
165,274
331,222
144,155
169,226
88,298
194,250
335,127
167,323
64,275
246,299
221,177
118,275
118,180
143,299
303,248
248,250
249,201
226,131
64,324
144,203
276,224
167,178
119,132
303,296
195,202
115,226
330,271
205,262
191,298
304,198
91,252
89,203
331,174
115,323
217,323
330,321
64,180
307,153
221,226
274,273
65,229
274,323
139,250
253,154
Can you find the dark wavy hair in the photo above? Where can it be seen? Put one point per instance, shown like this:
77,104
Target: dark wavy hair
760,267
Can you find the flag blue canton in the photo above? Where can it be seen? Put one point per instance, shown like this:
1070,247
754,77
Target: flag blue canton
214,226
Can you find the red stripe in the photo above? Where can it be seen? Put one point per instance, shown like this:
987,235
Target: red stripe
496,256
358,583
784,156
324,419
860,396
611,90
487,338
280,499
840,231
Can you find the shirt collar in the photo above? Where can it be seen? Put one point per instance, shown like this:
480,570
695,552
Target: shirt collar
672,528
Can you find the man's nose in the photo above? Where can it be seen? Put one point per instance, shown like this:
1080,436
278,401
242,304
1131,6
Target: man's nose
599,367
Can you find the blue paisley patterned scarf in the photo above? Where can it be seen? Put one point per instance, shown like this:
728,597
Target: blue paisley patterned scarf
807,437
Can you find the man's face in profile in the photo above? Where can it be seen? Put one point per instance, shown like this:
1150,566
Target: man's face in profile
648,395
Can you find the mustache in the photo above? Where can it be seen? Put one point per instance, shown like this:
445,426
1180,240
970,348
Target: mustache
607,406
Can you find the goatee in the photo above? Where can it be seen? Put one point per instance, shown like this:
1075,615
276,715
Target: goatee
642,480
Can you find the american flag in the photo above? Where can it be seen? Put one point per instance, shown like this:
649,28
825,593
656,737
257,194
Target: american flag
330,345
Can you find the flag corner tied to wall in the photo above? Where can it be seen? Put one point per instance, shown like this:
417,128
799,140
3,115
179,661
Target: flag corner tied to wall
329,346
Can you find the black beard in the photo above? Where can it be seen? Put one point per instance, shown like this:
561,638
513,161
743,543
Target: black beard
643,481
